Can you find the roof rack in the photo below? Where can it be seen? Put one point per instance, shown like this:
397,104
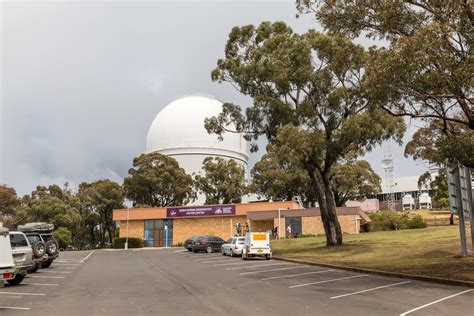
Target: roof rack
36,227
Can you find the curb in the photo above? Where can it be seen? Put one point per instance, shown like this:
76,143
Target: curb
384,273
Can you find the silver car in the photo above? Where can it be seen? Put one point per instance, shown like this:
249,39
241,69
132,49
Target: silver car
233,246
22,256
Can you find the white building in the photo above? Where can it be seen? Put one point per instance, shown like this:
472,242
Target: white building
178,131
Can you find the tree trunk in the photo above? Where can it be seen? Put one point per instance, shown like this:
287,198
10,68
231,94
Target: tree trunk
327,208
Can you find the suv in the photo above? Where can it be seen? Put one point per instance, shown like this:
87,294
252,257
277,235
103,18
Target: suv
207,244
22,256
7,266
45,247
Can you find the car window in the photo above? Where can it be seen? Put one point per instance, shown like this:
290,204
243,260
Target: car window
229,241
219,239
33,239
47,237
234,241
241,241
18,240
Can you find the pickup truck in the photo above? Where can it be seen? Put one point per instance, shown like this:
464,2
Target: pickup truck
257,244
7,266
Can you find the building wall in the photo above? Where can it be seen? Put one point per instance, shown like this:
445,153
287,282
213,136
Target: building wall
135,229
261,226
223,227
314,225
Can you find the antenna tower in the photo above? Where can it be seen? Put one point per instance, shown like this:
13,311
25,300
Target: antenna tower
387,165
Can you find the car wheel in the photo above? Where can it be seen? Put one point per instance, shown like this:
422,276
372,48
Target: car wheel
195,250
232,253
209,249
52,247
17,279
39,249
34,269
46,264
267,257
189,249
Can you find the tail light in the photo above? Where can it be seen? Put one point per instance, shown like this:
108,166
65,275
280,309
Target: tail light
8,275
203,243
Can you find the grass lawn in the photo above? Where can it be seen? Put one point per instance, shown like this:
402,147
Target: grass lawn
433,251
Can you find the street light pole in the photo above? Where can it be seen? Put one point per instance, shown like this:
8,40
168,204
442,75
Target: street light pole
126,237
166,236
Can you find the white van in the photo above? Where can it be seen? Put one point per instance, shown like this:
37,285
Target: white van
257,244
7,266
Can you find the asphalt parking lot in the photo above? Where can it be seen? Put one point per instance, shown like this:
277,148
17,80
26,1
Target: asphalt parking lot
176,282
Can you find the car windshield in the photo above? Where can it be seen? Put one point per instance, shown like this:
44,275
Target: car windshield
33,238
241,241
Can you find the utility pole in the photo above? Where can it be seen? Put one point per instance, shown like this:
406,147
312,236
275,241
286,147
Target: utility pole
126,237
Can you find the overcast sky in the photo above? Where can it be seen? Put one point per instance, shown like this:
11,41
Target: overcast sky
81,82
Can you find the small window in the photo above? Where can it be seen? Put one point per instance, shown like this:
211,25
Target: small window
241,241
18,240
229,241
234,241
158,223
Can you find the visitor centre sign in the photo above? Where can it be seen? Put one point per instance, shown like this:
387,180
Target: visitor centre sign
206,210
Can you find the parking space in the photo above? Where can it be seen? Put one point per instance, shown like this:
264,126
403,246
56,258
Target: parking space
174,282
363,293
36,287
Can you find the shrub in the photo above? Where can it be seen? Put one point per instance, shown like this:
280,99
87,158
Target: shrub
389,220
63,237
180,244
132,242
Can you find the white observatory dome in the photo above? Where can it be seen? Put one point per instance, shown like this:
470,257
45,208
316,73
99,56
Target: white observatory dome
178,131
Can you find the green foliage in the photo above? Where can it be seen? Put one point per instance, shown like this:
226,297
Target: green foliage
9,201
119,243
354,180
426,70
390,220
157,180
309,96
180,244
101,198
223,181
63,237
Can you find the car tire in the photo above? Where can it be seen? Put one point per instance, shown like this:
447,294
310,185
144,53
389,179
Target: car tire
232,253
39,249
34,269
267,257
209,249
189,249
52,247
46,264
17,279
195,250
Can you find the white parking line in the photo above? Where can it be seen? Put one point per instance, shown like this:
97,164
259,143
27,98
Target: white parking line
87,257
22,294
271,270
297,274
182,250
327,281
45,277
41,284
372,289
259,265
437,301
14,307
66,264
228,264
213,261
207,257
54,272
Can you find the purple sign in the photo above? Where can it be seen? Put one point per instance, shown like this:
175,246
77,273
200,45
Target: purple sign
210,210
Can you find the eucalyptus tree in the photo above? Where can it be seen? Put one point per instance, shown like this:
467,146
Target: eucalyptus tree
308,90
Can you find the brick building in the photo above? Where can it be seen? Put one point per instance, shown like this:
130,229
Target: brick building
169,226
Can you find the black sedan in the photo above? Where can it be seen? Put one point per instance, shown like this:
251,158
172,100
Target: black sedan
208,244
188,244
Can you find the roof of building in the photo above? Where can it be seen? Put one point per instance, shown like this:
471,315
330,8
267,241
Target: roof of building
240,210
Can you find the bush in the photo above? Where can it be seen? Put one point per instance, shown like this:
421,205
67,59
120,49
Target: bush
180,244
133,242
63,236
389,220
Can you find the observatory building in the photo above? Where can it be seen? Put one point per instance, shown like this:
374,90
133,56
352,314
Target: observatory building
178,131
